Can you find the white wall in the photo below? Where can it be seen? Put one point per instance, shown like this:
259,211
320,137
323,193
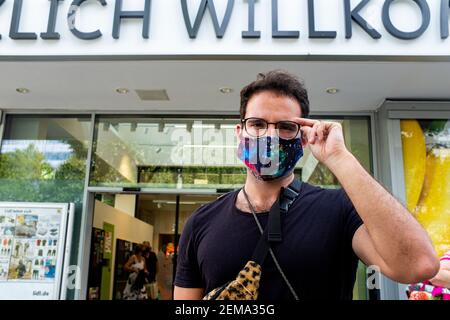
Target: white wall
125,228
125,203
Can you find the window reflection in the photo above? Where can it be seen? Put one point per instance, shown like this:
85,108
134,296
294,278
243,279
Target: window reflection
189,154
426,157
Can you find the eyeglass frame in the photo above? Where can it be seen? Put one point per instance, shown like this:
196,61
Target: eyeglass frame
244,122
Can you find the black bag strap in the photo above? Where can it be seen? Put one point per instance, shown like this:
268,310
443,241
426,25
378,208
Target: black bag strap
262,248
272,231
286,198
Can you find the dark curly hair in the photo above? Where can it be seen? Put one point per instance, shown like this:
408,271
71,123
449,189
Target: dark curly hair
279,82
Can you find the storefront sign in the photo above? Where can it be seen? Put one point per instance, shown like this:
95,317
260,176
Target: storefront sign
331,24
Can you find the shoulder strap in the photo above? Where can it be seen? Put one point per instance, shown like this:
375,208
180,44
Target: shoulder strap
286,198
263,246
272,232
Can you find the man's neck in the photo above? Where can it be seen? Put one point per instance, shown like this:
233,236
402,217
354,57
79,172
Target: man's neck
262,194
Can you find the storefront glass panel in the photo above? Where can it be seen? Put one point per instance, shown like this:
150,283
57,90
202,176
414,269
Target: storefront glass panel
426,160
189,154
43,159
192,154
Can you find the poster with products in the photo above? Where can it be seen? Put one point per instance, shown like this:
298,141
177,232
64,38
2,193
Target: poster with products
426,156
34,249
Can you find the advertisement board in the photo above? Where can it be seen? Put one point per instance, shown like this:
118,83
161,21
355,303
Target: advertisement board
34,249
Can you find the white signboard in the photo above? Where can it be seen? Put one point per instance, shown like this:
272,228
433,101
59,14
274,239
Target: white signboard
224,27
34,247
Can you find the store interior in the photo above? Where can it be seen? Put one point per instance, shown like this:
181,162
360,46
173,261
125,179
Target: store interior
123,221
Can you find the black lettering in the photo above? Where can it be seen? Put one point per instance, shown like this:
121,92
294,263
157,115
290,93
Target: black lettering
355,16
1,2
207,4
313,33
71,21
277,33
119,15
15,22
251,33
51,34
444,18
425,11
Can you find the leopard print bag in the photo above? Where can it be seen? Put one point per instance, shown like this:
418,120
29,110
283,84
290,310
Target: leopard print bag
244,287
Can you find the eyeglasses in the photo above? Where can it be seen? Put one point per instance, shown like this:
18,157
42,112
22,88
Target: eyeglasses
257,127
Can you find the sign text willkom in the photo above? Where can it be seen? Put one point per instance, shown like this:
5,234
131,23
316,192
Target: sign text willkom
351,16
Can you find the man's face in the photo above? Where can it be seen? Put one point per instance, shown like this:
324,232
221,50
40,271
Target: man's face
272,108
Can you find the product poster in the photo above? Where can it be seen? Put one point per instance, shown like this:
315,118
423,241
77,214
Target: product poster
7,224
32,240
426,157
4,266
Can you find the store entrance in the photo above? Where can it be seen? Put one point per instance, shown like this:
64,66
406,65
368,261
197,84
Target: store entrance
121,223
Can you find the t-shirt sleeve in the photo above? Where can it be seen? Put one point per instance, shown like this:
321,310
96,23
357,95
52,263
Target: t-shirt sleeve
351,219
188,272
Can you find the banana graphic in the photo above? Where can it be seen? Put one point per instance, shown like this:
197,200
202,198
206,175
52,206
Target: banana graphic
433,210
414,156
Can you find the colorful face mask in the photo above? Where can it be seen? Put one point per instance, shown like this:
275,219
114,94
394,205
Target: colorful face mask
270,158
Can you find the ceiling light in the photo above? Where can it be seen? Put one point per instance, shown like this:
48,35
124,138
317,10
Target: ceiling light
23,90
122,90
332,90
226,90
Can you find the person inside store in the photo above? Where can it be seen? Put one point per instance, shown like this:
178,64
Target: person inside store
135,287
323,233
151,263
442,279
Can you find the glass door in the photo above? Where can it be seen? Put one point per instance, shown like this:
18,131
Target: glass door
168,215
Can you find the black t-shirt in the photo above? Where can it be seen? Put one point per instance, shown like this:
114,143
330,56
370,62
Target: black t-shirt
316,252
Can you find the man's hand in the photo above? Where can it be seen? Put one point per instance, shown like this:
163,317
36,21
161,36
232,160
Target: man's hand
390,238
326,139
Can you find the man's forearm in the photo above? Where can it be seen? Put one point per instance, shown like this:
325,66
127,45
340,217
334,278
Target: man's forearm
397,236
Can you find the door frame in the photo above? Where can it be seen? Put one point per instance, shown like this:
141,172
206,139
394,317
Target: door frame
89,219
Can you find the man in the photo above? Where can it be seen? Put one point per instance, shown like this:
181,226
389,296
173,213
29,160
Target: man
21,270
324,232
151,263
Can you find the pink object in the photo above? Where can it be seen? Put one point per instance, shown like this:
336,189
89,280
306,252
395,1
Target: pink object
446,256
437,291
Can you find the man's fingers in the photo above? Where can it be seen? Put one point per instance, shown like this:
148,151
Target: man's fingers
306,130
313,134
305,122
310,132
320,131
